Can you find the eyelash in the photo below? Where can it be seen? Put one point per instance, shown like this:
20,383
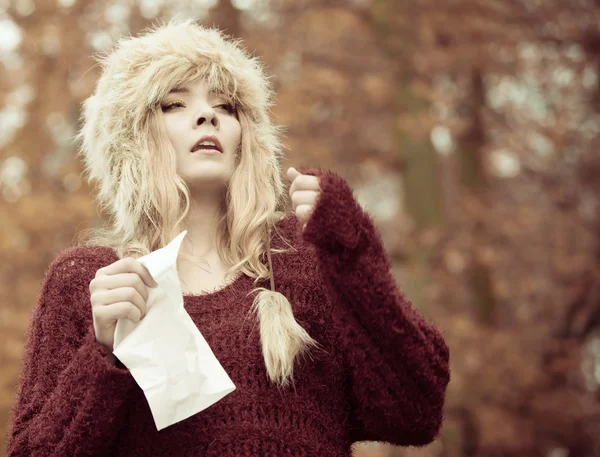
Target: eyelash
228,106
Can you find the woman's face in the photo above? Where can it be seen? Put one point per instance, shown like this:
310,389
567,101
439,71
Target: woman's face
190,113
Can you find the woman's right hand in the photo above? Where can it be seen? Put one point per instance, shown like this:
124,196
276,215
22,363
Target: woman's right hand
119,290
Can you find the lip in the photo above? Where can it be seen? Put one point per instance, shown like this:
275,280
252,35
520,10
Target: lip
208,138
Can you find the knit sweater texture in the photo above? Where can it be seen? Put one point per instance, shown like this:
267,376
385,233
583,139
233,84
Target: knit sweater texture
380,375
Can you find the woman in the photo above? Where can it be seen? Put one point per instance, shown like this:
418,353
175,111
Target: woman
178,136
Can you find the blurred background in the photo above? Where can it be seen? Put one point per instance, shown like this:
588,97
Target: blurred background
468,129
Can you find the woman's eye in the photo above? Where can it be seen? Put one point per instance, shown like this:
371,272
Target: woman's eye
227,107
168,106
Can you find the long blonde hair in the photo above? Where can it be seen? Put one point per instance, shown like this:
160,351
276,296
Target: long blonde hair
125,150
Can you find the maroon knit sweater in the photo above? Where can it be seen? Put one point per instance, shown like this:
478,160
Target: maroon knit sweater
381,374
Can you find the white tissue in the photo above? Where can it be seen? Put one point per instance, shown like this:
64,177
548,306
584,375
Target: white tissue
165,352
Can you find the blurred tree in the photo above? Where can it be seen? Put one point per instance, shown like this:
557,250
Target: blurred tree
469,128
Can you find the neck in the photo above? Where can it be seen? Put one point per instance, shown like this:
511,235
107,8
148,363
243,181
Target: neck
201,224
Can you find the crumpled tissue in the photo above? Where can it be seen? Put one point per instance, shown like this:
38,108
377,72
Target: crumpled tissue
165,352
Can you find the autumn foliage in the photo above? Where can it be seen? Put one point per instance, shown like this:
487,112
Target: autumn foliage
469,129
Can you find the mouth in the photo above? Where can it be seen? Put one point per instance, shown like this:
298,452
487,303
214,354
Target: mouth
208,143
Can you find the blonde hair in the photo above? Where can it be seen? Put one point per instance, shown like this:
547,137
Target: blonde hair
125,150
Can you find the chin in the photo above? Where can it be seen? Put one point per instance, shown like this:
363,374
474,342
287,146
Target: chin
202,180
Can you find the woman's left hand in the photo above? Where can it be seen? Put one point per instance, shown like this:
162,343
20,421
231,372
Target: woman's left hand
304,192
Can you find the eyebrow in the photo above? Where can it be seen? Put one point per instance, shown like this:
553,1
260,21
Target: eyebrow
180,90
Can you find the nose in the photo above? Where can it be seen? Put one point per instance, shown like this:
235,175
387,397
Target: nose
207,115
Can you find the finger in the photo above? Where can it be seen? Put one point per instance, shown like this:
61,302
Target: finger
305,182
292,173
307,197
304,211
110,282
122,294
105,316
130,265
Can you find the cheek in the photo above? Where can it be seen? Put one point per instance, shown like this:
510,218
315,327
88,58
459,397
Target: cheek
236,132
173,129
232,134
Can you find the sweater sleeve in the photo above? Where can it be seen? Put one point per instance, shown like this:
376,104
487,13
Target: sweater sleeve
397,361
69,397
